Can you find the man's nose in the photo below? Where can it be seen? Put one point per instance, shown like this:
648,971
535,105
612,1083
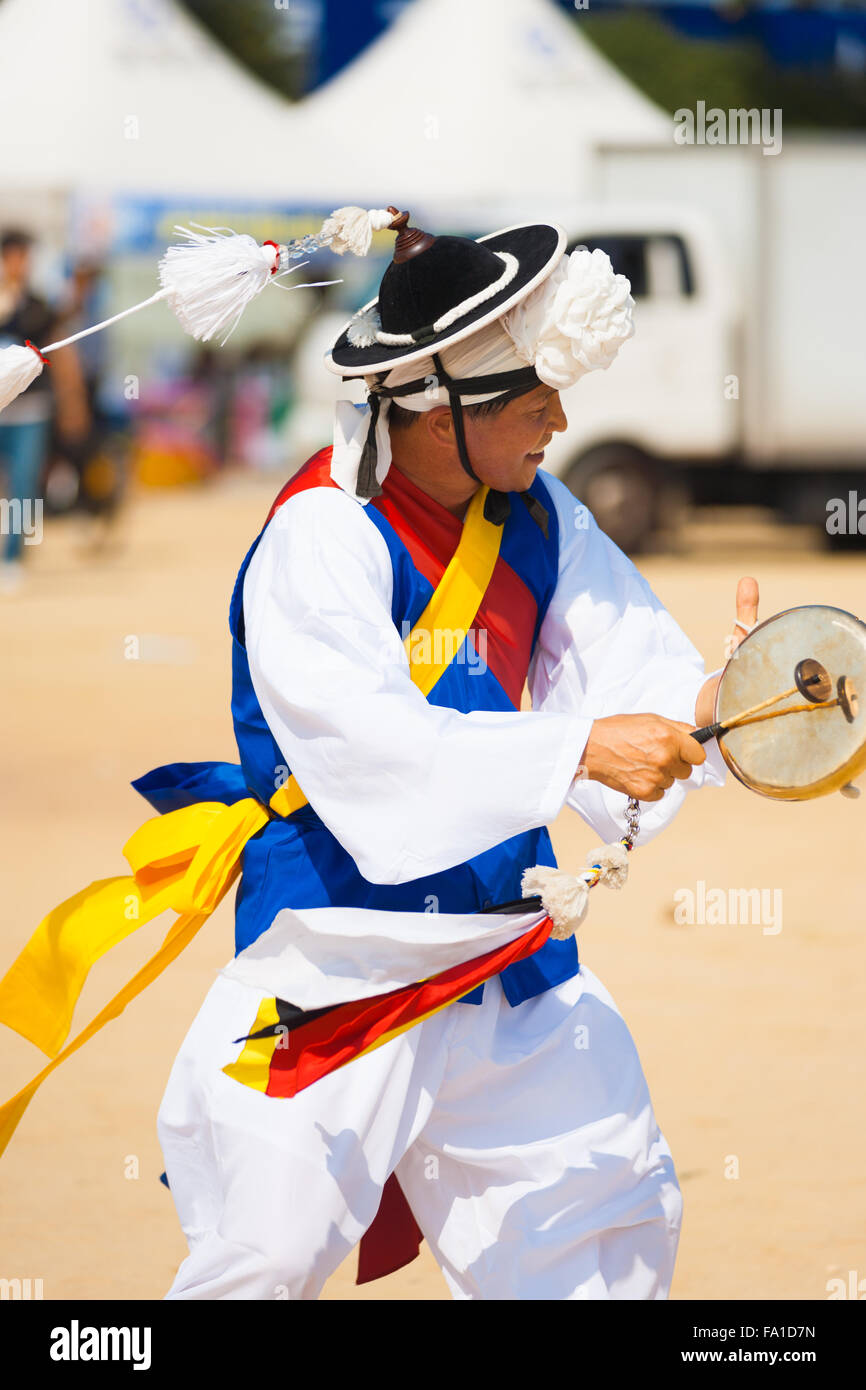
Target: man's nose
558,419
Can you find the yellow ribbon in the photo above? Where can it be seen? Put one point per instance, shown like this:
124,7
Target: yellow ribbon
457,597
188,859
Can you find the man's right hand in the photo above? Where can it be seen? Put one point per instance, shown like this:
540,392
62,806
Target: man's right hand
640,754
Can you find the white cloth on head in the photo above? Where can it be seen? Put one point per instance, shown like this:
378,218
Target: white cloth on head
487,352
576,321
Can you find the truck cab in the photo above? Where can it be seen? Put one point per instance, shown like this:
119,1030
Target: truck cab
671,397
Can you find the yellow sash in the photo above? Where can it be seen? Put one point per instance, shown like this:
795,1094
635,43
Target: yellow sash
188,859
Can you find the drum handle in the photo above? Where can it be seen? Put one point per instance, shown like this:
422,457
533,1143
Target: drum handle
709,731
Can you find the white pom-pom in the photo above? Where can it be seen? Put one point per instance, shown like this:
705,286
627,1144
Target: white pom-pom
363,328
563,897
19,366
575,321
614,864
351,229
212,278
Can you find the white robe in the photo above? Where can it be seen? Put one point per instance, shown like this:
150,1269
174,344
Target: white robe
410,788
523,1137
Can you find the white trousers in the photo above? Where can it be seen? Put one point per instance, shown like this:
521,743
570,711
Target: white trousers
523,1138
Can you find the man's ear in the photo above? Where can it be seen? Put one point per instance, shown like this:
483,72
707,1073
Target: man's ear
440,426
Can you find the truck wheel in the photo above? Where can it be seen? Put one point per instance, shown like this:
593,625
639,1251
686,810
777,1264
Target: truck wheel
619,486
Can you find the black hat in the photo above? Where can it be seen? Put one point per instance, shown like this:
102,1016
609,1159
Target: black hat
439,290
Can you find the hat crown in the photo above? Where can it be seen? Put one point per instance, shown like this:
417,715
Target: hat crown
411,241
419,290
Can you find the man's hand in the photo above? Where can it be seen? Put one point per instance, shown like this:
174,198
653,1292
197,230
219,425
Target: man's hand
640,754
644,754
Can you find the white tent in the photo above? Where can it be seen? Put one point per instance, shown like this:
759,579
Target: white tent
132,96
490,106
479,106
472,113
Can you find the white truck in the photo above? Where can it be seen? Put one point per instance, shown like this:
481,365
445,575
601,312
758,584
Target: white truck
745,381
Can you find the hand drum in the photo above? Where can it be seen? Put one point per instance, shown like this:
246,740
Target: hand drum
812,740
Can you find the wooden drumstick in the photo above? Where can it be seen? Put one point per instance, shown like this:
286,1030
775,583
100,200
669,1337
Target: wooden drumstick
748,718
847,698
713,730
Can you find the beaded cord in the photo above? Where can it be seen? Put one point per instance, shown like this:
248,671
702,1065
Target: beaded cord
302,246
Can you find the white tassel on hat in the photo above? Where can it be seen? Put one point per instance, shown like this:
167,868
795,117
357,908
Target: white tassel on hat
19,366
209,280
351,229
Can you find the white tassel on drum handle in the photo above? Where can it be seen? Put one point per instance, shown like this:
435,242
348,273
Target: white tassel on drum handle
565,897
210,278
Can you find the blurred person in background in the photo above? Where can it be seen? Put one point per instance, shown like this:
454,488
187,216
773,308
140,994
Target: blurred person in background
89,472
26,426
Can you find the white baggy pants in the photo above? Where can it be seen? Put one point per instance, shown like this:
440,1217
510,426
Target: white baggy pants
523,1138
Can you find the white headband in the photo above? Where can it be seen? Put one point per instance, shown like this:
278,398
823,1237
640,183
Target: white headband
489,351
573,323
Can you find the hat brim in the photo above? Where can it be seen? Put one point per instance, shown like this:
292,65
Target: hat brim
537,246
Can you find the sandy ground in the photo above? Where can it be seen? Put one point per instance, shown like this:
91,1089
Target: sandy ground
753,1043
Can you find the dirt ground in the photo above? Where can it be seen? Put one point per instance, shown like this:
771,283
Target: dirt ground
752,1041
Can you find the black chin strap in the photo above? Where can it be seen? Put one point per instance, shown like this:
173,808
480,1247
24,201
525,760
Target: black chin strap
497,506
456,405
368,484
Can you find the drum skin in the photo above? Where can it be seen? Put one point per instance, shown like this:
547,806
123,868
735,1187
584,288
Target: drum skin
801,755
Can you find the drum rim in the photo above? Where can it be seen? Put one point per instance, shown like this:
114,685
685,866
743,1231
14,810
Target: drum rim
834,780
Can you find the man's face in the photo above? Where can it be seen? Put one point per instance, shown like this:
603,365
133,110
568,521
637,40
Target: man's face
15,264
506,449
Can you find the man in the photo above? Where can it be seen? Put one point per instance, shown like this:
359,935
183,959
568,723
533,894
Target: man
25,426
408,792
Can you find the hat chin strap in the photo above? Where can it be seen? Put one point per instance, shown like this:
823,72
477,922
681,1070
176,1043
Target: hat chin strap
367,484
456,405
497,505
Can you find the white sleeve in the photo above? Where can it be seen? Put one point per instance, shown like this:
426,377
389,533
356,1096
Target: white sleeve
407,787
608,646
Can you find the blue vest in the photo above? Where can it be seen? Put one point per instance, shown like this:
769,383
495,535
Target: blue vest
296,862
